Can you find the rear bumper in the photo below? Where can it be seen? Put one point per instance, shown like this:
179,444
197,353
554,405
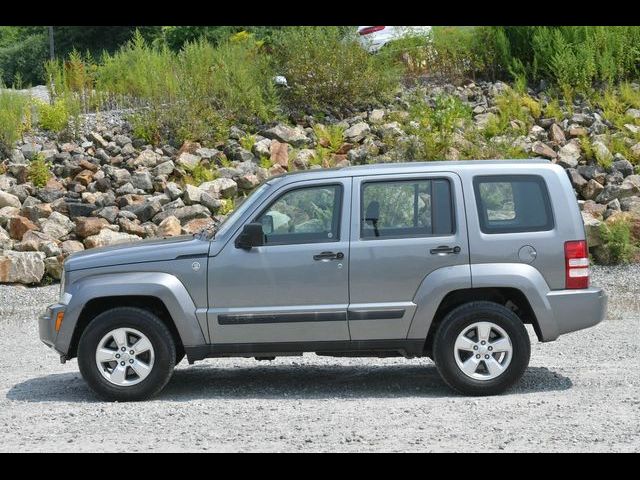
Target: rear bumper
577,309
46,325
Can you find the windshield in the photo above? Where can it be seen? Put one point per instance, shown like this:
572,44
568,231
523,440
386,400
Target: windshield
212,230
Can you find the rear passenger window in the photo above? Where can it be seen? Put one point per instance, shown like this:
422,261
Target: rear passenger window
408,208
512,203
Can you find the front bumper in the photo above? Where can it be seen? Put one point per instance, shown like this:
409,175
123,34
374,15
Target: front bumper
47,325
577,309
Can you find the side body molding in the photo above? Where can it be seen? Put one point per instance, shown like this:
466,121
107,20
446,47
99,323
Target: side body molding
163,286
432,290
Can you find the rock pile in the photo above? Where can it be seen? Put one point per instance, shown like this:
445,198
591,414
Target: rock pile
109,188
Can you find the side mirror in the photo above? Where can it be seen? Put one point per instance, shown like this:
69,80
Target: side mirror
251,236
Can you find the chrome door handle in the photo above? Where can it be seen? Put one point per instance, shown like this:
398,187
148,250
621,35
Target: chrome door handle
444,250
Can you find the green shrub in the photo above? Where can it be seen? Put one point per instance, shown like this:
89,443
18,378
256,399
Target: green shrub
248,141
553,110
437,126
513,106
54,117
14,118
327,70
227,207
619,144
587,148
329,136
458,53
617,242
199,174
265,162
39,170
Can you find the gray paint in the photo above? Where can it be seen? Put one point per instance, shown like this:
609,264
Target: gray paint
379,275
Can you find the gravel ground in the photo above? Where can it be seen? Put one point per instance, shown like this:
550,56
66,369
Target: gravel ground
580,393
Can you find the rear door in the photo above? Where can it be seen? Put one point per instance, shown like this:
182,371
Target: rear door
403,228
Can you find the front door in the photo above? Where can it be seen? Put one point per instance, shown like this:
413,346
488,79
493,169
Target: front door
403,228
295,287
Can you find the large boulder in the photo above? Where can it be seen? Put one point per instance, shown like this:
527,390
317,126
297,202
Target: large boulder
280,154
220,187
543,150
147,158
71,246
21,267
5,240
592,229
169,227
109,237
591,189
34,241
293,136
53,267
19,225
569,155
601,152
188,160
57,225
192,194
9,200
88,226
184,214
357,132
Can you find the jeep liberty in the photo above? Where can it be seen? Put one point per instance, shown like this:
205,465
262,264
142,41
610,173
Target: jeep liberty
447,260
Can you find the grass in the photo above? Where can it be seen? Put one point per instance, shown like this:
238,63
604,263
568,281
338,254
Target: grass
14,118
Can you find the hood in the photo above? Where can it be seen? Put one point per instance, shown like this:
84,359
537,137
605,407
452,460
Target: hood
154,250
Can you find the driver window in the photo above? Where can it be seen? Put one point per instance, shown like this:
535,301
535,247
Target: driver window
303,215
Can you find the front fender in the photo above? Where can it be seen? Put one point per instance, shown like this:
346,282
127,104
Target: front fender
163,286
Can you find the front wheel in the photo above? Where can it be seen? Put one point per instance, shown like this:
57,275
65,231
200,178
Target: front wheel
126,354
481,348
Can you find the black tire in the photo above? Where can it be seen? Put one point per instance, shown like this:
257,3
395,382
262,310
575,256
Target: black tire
148,324
462,317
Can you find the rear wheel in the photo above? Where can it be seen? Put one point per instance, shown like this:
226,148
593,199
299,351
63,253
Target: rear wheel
126,354
481,348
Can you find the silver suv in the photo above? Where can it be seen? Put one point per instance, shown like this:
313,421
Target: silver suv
447,260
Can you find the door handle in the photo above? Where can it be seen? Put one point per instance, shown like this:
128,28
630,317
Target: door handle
444,250
329,256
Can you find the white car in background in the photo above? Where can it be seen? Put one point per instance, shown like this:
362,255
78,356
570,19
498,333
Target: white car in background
374,38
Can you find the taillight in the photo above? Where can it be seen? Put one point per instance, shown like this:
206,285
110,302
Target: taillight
368,30
576,260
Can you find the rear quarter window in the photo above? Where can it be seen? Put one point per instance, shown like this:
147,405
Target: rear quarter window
513,203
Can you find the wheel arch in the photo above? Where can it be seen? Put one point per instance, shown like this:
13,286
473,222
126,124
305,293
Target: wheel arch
98,305
161,293
510,297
